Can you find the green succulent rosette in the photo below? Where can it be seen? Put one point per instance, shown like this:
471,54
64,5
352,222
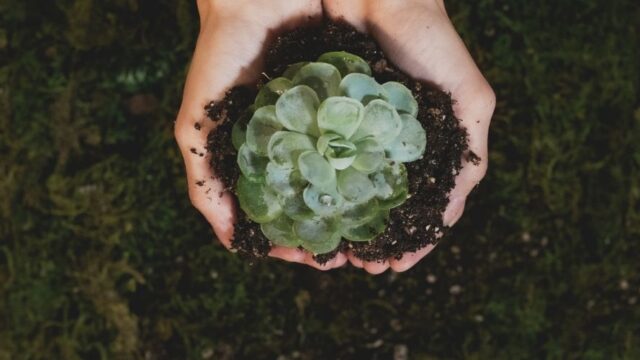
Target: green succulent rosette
321,153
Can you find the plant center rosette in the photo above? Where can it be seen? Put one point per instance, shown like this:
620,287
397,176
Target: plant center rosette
321,153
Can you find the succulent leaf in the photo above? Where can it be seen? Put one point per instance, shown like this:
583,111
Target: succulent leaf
340,115
285,147
381,122
339,152
362,88
355,186
297,108
321,202
257,200
239,129
370,155
284,181
319,235
252,165
323,78
317,170
355,214
369,230
293,69
346,63
261,127
323,142
391,184
271,91
295,208
401,97
280,232
409,145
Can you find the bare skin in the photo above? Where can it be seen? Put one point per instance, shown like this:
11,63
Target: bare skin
231,43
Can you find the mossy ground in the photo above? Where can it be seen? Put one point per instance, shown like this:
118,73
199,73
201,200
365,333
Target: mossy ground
102,256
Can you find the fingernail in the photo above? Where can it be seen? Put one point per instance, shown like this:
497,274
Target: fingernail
454,211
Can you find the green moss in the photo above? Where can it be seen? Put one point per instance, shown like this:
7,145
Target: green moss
102,256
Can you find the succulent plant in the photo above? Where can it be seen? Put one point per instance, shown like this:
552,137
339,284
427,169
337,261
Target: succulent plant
321,153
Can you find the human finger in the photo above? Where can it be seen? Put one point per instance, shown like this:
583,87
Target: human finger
355,261
408,260
339,260
288,254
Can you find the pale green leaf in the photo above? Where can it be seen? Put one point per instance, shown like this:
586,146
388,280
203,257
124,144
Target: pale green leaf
362,88
257,201
370,155
292,69
355,214
322,145
316,170
318,235
295,208
285,147
409,145
340,115
340,163
323,78
369,230
252,165
341,153
355,186
391,185
381,122
346,62
239,129
280,232
321,202
401,97
271,91
297,109
262,126
284,181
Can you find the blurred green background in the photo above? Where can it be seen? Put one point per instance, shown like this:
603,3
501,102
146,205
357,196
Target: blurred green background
102,256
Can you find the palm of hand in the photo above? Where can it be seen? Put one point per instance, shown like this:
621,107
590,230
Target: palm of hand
229,47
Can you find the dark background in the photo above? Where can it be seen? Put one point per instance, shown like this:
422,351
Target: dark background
102,256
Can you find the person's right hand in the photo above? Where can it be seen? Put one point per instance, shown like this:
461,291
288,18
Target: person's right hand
232,38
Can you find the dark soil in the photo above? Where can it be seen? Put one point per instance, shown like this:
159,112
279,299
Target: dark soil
411,226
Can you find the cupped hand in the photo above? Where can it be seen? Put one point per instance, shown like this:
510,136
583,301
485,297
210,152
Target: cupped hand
419,38
228,52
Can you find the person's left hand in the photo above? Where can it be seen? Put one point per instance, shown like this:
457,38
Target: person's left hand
419,38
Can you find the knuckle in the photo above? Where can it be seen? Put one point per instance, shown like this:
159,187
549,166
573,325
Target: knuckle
195,200
487,100
182,129
198,198
179,129
482,101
